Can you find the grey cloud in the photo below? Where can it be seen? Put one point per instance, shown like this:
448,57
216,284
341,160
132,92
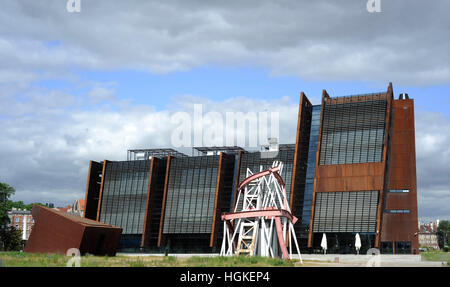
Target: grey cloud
406,43
433,164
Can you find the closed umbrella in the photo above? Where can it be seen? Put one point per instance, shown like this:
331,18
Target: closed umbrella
324,243
357,242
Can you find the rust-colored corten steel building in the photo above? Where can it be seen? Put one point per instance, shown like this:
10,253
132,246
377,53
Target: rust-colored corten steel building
57,232
365,173
351,171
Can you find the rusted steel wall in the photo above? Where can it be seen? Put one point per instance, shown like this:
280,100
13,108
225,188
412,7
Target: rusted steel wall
57,232
301,153
402,227
92,190
217,200
350,177
161,237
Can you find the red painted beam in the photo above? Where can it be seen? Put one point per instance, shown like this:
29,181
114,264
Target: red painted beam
260,213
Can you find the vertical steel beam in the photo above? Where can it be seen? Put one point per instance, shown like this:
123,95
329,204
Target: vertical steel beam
386,151
148,205
88,183
236,183
161,239
217,201
101,190
303,102
92,190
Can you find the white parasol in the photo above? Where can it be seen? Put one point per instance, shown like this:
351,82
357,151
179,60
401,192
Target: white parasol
323,244
357,242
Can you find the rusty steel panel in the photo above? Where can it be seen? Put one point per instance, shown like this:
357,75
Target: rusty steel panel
236,183
92,190
381,204
360,98
148,206
402,227
217,199
101,190
163,210
56,232
350,177
303,102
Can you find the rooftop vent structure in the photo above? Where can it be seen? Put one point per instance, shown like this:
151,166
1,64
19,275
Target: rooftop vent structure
403,96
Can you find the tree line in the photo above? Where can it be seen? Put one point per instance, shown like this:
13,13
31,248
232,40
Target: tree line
10,237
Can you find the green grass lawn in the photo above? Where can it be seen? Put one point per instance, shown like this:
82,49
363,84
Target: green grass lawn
20,259
436,256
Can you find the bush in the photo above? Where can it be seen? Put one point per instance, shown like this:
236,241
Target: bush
13,239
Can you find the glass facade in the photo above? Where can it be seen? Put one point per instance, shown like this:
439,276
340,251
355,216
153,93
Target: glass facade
254,161
190,195
399,190
397,211
386,248
124,195
344,243
350,211
403,247
353,132
305,170
311,166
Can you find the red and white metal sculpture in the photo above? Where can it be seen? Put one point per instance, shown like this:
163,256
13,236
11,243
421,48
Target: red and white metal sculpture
261,203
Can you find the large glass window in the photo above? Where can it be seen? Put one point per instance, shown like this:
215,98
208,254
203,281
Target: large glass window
397,211
403,247
311,166
399,190
124,195
386,248
354,211
190,195
256,163
353,131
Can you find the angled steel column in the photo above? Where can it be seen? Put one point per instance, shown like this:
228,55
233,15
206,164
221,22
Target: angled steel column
101,190
386,151
303,102
161,239
217,201
148,205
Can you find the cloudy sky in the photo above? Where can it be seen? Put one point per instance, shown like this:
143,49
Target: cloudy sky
87,86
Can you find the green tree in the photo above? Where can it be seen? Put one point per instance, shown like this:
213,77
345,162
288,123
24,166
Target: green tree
7,189
20,205
443,233
5,192
12,239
